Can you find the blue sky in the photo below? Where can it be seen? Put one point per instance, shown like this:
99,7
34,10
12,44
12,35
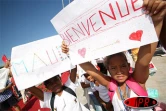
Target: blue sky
23,21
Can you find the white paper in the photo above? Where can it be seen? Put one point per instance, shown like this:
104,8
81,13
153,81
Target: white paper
4,74
38,61
97,28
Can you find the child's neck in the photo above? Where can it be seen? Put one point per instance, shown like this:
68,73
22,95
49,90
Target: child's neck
59,93
122,85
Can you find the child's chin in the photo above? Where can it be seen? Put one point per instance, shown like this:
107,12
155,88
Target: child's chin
120,81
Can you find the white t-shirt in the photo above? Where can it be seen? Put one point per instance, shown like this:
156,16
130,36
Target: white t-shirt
65,102
103,92
4,75
118,105
83,79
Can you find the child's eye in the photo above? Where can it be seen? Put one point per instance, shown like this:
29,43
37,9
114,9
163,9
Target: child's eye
123,65
113,68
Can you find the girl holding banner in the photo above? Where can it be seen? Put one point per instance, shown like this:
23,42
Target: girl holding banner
119,85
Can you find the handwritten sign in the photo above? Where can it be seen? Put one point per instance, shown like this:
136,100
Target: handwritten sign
97,28
35,62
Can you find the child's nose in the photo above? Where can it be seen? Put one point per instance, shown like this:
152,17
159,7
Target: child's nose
119,70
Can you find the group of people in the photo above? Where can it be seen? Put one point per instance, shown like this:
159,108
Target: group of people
109,90
8,99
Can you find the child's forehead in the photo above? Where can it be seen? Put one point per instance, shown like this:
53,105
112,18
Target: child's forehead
54,79
118,59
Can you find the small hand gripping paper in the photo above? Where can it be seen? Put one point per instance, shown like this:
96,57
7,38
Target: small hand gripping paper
4,58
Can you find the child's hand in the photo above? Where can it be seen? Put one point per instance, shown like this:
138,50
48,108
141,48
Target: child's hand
156,9
2,90
64,48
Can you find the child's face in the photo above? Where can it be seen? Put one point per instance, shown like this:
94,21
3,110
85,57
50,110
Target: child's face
55,85
119,68
90,78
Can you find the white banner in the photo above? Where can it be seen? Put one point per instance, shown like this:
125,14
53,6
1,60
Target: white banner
97,28
38,61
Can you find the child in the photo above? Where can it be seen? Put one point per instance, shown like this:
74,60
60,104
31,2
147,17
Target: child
62,98
101,93
118,66
163,34
7,98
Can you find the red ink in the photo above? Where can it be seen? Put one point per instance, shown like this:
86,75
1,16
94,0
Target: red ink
113,14
93,23
136,35
66,40
50,58
127,8
88,31
82,52
70,35
75,31
133,2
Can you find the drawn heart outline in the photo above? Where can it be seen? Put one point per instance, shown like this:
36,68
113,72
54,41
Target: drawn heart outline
136,35
82,52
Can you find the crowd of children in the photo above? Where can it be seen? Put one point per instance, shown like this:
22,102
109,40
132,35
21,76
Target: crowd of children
107,81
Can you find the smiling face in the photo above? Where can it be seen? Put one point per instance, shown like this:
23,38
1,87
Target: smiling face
118,67
54,84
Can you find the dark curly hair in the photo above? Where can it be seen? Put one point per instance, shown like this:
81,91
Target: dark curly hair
48,81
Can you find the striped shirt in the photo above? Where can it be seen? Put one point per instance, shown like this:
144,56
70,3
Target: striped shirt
6,94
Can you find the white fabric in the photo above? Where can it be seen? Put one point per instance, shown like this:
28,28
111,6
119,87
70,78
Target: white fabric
65,102
94,62
4,75
130,59
80,71
103,92
83,79
100,60
118,105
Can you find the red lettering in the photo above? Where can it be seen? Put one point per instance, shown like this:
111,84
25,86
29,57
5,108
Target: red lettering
113,14
70,36
50,58
93,23
75,31
120,10
146,102
140,101
67,41
133,2
88,31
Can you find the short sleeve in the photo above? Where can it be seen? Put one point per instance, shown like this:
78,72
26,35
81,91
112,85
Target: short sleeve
46,102
70,84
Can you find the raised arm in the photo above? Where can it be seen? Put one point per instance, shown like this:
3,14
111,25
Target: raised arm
37,92
73,74
90,69
97,75
146,52
83,85
163,34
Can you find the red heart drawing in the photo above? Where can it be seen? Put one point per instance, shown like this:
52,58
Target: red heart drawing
82,52
136,35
